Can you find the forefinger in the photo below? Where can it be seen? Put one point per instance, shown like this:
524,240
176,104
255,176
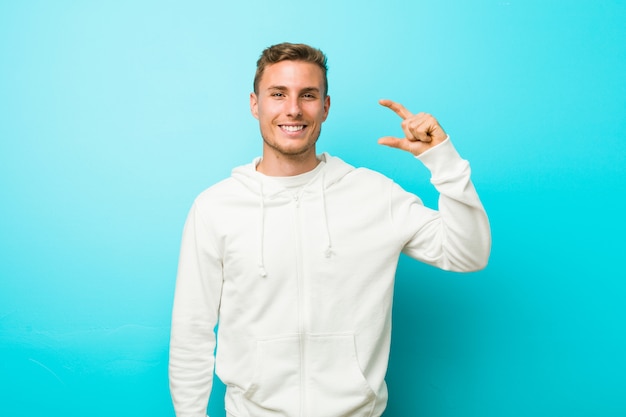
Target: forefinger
398,108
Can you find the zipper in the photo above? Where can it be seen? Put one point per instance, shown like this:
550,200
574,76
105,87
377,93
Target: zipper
301,306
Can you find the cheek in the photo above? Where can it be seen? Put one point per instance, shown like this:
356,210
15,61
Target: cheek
322,115
267,112
315,112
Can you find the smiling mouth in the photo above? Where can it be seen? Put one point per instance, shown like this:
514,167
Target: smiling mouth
292,128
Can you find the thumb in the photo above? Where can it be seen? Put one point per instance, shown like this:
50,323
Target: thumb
393,142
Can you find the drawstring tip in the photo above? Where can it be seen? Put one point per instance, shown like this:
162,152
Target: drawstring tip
328,252
262,272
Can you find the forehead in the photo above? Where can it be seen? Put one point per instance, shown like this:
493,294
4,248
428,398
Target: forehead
292,74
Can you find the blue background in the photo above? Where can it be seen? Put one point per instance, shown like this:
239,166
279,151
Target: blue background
115,115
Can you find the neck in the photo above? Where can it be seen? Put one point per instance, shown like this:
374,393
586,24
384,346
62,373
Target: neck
287,165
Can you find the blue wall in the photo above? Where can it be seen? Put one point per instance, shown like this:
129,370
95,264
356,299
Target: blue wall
115,115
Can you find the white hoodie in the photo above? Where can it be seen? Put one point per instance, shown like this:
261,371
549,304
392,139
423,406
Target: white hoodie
302,285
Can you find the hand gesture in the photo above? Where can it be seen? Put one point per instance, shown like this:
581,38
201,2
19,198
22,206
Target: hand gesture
421,130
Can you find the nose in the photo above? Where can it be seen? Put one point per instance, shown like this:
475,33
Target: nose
293,107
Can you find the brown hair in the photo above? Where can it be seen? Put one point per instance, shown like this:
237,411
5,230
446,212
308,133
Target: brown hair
290,52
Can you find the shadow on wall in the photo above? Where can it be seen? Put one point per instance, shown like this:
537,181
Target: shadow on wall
434,341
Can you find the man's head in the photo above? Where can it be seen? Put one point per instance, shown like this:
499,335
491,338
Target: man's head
290,102
290,52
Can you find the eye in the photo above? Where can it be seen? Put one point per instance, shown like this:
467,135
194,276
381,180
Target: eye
278,94
309,96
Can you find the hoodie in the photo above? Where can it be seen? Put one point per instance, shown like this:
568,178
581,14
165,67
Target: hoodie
301,284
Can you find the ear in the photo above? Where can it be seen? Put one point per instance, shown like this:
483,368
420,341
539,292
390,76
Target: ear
326,106
254,105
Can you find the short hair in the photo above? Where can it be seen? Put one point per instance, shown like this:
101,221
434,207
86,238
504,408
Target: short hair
290,52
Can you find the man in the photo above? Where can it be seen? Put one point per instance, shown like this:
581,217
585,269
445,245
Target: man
295,256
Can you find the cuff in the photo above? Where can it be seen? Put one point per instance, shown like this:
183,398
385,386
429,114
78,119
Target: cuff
442,160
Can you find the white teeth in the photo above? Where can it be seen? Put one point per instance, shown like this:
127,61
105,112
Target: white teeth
292,128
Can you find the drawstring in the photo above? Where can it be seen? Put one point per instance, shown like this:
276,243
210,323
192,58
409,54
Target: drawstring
329,247
261,261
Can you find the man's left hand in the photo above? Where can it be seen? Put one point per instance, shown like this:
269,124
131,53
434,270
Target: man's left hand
421,130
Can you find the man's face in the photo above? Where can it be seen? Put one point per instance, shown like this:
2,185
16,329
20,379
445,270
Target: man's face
291,107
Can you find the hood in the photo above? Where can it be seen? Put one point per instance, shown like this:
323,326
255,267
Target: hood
333,170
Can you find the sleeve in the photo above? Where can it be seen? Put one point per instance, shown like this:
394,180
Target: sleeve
456,236
194,317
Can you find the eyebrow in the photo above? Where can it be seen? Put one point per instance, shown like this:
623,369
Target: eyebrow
304,90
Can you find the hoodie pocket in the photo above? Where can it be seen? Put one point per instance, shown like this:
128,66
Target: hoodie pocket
275,386
337,384
318,374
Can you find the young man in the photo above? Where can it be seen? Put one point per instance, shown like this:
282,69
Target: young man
295,256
